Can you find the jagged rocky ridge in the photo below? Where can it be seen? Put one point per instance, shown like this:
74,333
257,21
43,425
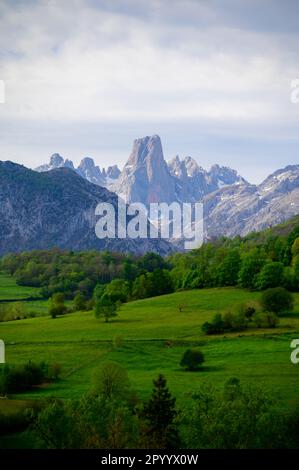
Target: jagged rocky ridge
87,169
147,177
240,209
232,206
57,209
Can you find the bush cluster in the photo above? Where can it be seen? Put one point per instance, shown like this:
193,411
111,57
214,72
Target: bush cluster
273,303
15,379
11,311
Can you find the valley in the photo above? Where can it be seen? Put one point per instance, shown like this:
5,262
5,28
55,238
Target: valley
154,335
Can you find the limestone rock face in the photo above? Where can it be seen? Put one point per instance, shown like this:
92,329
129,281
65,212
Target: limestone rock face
240,209
232,206
146,177
56,208
193,182
88,170
112,172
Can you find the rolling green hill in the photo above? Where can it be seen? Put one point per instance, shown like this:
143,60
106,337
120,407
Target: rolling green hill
154,336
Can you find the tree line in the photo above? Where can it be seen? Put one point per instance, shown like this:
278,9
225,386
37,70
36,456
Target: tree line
257,261
111,416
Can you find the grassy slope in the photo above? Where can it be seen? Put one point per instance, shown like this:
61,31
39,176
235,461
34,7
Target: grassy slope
80,343
10,290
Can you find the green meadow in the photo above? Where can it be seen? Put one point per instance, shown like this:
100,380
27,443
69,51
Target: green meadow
9,290
152,337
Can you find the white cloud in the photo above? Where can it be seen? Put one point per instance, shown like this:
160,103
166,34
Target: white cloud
84,63
158,61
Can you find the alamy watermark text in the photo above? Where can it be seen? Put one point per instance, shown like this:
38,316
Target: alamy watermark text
160,220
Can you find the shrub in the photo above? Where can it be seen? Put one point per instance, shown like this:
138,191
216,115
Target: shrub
111,380
235,321
20,378
104,307
79,302
228,318
265,320
216,325
56,310
57,306
248,309
192,359
14,379
12,311
232,320
277,300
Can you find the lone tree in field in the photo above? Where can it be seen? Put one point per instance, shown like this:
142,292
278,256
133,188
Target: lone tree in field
192,359
57,306
277,300
111,380
106,308
159,413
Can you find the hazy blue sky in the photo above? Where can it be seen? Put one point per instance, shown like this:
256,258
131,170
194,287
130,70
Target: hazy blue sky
211,77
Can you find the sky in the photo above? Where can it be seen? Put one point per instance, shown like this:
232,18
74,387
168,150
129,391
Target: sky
213,78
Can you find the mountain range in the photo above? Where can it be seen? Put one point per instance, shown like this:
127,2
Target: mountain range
54,205
87,169
147,177
232,206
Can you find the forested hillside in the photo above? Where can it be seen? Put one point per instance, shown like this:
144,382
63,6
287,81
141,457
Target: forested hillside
257,261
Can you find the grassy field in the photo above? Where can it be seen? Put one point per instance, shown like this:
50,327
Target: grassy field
81,343
9,290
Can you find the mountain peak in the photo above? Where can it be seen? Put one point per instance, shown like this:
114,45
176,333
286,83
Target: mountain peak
148,148
56,160
112,172
177,168
284,179
88,170
224,176
87,162
146,177
192,166
69,164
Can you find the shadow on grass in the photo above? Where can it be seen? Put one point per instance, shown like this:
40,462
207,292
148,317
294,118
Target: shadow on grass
122,321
